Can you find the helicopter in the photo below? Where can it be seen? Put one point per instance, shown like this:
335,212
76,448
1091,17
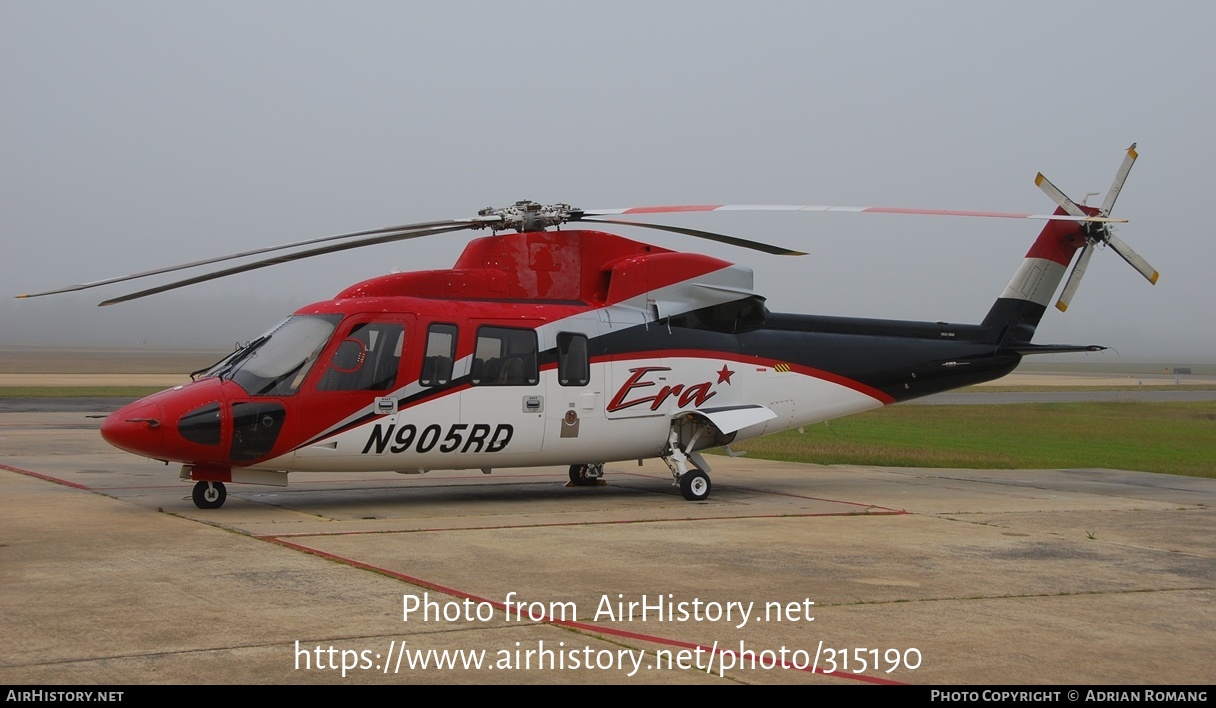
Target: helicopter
549,345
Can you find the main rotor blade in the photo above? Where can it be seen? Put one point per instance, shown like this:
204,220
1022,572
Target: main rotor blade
1133,259
389,238
720,238
1120,177
219,259
1074,278
1057,196
578,214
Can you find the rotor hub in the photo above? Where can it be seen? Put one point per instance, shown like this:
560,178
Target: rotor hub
526,215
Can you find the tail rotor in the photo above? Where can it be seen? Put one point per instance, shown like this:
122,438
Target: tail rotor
1097,231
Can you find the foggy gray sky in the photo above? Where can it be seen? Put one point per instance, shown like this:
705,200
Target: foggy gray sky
140,134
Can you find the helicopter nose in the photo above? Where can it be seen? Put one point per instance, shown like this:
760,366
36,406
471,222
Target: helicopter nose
137,427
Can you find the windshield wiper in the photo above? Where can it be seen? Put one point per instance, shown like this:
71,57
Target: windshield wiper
272,387
216,365
226,364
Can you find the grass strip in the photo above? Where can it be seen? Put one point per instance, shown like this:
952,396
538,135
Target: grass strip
1174,438
985,388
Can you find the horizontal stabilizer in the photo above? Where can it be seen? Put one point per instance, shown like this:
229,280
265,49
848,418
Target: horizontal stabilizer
1028,348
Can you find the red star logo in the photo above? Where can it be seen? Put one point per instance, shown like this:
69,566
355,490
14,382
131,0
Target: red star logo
724,375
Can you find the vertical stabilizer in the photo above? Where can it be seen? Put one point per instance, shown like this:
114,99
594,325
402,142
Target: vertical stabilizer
1018,310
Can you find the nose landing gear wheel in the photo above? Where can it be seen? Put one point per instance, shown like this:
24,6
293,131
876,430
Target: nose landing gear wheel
209,495
694,485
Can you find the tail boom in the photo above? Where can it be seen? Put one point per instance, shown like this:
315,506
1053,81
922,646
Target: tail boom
1021,305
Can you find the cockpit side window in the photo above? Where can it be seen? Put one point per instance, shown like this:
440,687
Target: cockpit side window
367,359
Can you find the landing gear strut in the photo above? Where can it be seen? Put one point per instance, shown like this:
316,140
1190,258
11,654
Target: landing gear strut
209,495
688,469
586,475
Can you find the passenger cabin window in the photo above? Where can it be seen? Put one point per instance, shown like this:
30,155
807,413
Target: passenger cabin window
367,359
440,353
505,357
573,364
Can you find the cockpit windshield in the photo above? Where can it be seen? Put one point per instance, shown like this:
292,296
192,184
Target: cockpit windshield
276,363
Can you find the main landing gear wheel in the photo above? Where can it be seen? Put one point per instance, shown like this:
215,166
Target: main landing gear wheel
694,485
581,476
209,495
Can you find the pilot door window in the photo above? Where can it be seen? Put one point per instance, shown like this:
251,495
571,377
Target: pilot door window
367,359
505,357
440,352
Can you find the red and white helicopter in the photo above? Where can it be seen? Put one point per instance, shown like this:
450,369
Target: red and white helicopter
559,346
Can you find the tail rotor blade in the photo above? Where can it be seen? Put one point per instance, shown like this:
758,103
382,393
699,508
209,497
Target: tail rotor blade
1074,278
1120,177
1133,259
1057,196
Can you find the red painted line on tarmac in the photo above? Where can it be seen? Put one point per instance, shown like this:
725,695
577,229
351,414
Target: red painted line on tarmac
46,478
299,486
109,488
884,510
106,490
417,479
558,524
583,626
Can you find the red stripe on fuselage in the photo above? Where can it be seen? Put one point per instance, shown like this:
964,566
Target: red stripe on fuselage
421,399
760,361
753,361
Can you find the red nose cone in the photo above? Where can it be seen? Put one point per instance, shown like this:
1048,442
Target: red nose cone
138,428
